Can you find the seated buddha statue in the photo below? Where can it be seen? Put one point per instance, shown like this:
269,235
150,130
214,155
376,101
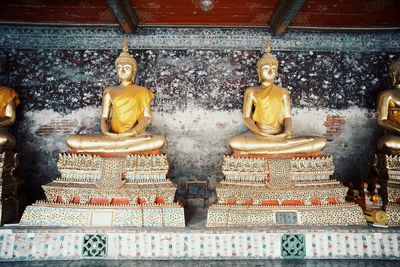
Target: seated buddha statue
9,100
124,117
388,112
266,113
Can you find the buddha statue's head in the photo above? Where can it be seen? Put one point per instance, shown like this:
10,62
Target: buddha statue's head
267,65
394,73
126,65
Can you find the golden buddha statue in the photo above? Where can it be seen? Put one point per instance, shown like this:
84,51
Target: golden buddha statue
388,109
124,117
266,113
9,100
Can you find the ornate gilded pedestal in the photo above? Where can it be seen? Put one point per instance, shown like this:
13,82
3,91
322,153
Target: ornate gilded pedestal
263,190
108,191
12,197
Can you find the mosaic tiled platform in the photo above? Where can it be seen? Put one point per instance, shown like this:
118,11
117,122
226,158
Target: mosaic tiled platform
93,191
296,190
25,244
148,215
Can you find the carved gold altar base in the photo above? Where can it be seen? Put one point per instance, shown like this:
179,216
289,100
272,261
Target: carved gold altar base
12,197
389,178
268,191
93,186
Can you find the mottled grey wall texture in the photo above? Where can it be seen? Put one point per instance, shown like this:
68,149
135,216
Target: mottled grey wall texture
197,104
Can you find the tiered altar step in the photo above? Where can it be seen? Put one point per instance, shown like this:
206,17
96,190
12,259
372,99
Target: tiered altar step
44,213
108,191
309,193
129,193
262,215
262,191
12,197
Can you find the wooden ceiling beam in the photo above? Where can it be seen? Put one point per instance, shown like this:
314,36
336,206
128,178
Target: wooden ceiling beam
125,14
286,11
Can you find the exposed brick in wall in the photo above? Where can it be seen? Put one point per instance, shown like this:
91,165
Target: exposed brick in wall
63,126
333,124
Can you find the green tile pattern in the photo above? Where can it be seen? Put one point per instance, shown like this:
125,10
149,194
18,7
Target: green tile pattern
94,246
293,246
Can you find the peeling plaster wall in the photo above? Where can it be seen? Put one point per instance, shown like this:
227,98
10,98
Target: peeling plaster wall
197,105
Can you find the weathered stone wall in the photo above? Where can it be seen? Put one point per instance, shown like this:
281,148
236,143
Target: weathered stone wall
198,97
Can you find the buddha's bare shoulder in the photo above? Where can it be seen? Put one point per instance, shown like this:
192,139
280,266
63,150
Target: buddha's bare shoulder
6,88
389,93
252,90
110,89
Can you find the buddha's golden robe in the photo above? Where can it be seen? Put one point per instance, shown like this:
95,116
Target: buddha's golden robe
128,106
7,94
269,108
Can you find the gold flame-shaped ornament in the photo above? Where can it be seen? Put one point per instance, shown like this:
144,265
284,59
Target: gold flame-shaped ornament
126,58
267,57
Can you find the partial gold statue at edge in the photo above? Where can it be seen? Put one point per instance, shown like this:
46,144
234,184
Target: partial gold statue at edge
9,100
124,117
388,112
266,113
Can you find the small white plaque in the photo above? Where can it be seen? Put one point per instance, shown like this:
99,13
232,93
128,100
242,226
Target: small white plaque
102,218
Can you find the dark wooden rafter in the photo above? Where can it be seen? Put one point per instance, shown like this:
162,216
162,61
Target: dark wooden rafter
286,11
125,14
